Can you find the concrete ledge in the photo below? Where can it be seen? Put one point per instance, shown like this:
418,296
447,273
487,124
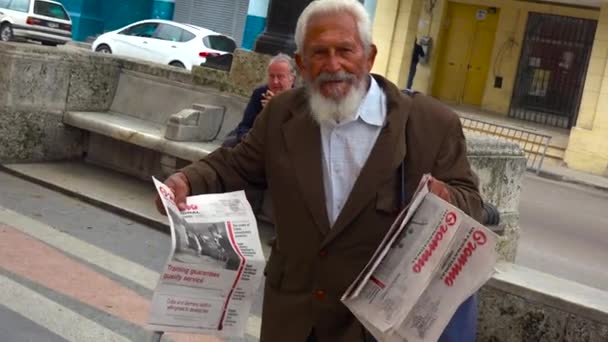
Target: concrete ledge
522,304
563,294
140,132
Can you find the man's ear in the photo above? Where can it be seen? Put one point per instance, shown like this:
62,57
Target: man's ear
300,63
371,58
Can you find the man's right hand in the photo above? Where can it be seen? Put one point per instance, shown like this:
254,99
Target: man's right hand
179,184
266,97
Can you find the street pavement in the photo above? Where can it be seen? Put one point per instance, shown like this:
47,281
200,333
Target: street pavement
72,272
564,230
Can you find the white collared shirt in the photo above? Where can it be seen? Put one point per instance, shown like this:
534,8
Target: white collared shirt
346,147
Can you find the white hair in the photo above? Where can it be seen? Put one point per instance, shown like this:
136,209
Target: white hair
321,7
283,58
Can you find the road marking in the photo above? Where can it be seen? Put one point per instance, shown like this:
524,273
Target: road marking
52,316
80,249
92,254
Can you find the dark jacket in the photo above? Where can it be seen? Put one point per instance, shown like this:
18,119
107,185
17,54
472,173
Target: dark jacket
312,264
254,107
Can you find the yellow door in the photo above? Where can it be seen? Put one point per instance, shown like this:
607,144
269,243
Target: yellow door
465,54
480,57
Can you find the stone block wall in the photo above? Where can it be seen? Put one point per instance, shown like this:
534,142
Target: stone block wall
501,167
521,304
34,135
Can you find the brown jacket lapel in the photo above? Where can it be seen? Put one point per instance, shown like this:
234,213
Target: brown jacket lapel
303,141
384,160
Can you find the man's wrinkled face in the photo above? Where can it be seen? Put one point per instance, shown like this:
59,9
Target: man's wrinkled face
279,77
333,59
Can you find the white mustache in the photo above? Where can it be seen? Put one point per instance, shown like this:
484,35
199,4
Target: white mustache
338,76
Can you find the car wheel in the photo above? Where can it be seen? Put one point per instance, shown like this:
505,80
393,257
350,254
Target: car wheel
178,65
103,48
6,32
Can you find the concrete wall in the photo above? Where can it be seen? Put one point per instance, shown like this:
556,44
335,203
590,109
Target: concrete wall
394,30
36,88
519,304
588,145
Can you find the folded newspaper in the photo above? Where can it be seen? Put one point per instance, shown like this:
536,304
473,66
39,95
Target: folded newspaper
431,260
214,269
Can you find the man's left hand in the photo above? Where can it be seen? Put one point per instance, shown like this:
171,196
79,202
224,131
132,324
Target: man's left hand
440,189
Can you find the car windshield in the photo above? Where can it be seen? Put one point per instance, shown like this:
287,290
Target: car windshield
49,9
220,43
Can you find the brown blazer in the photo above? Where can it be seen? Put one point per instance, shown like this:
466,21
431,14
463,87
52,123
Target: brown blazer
312,264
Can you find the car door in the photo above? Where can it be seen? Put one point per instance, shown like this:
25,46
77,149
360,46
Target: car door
134,41
15,10
167,43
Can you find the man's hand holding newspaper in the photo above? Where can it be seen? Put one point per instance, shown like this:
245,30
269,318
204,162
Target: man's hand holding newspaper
214,269
431,260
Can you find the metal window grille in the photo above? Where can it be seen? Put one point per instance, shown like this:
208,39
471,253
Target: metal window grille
552,69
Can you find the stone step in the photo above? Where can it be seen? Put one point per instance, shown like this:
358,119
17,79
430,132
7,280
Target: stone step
109,189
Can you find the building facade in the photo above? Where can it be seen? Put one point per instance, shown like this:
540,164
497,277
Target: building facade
543,62
223,16
93,17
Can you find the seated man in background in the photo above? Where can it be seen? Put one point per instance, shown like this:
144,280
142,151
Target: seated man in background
280,77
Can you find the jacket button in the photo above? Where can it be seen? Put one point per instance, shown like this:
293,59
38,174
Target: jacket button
320,294
323,253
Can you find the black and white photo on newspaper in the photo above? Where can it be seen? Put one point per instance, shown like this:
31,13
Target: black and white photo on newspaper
214,269
432,259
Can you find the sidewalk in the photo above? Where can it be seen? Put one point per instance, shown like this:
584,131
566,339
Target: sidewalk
564,174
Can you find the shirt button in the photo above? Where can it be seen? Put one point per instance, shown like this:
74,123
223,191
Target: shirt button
320,294
323,253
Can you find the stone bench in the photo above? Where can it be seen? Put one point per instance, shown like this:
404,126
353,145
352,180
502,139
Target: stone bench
152,135
155,125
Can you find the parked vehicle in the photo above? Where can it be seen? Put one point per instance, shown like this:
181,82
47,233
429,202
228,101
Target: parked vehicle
165,42
45,21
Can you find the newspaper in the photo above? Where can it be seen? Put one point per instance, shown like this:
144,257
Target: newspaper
214,269
431,260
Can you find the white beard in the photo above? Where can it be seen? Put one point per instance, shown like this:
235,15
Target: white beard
327,110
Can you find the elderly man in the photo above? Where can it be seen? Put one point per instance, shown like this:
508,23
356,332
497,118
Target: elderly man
280,76
334,155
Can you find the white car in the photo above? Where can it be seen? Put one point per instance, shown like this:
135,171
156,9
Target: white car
165,42
41,20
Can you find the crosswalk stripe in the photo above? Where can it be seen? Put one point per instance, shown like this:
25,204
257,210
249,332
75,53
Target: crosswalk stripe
80,249
92,254
52,316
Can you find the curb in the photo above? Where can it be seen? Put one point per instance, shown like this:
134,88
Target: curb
562,178
132,215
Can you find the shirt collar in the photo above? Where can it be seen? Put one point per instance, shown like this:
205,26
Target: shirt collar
373,109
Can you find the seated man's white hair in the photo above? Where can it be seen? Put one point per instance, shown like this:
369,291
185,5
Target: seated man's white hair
320,7
281,57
